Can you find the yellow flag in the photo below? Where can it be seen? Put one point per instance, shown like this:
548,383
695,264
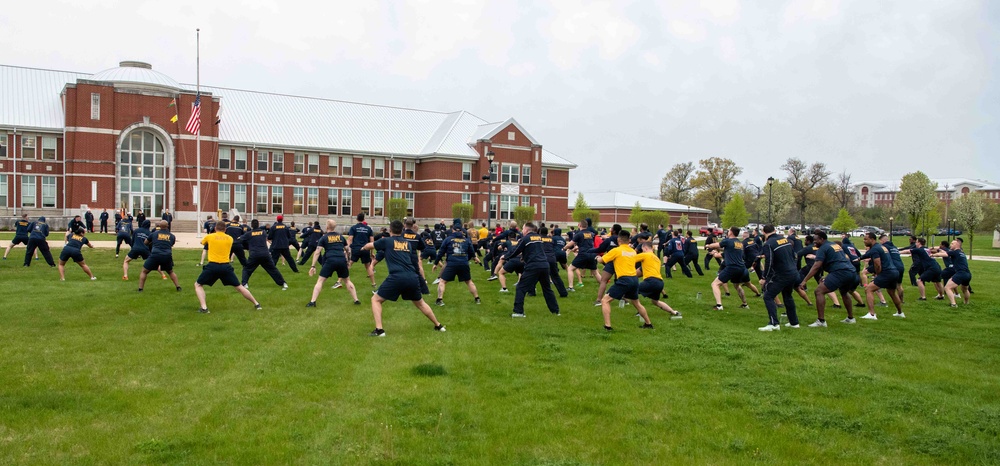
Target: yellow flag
173,119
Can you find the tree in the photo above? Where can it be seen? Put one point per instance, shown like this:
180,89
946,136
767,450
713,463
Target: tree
635,218
580,202
735,214
655,218
842,190
676,184
396,209
804,179
928,222
844,222
714,182
581,211
684,221
781,201
917,195
970,210
462,211
524,214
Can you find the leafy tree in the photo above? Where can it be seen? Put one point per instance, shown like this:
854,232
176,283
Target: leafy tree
970,211
580,214
714,182
804,180
655,218
842,190
684,221
928,222
524,214
462,211
676,184
396,209
781,201
844,222
580,202
735,214
635,217
917,196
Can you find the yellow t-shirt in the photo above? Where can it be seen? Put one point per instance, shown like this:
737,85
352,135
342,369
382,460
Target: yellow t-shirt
483,233
650,265
219,246
624,259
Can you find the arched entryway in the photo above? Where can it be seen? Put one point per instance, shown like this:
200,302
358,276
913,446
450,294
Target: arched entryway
142,172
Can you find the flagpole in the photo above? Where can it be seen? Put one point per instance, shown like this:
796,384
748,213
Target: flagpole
197,136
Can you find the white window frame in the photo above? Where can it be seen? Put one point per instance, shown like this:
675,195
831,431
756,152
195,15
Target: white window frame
48,192
240,157
507,205
49,147
225,158
545,177
346,199
466,171
263,157
333,165
312,201
298,200
366,202
277,199
410,202
261,190
332,201
466,198
240,197
3,190
347,166
525,201
543,208
278,162
378,203
29,142
28,195
313,164
378,168
525,174
298,164
410,172
225,197
397,169
366,167
510,173
3,144
95,106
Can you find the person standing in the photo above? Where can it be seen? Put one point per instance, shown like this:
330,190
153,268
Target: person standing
710,239
887,276
553,246
21,233
930,271
88,218
733,267
74,224
123,230
780,277
691,253
675,253
662,235
403,279
104,221
218,268
583,241
39,231
72,250
161,255
255,241
333,248
209,227
961,277
141,217
417,246
138,249
840,277
456,250
531,248
235,231
651,285
280,237
357,237
167,217
626,284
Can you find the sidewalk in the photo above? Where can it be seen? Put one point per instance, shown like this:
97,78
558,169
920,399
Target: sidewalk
184,241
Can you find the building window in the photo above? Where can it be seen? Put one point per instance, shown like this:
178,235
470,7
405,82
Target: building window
366,167
312,201
466,198
262,199
240,197
411,171
333,161
28,147
141,172
507,205
277,199
48,191
510,136
493,206
241,161
297,199
410,197
347,166
397,169
379,171
262,160
331,202
378,204
224,197
95,106
543,207
48,148
466,171
545,177
366,202
299,163
28,191
494,171
3,144
525,201
224,158
313,164
278,162
345,202
526,174
3,191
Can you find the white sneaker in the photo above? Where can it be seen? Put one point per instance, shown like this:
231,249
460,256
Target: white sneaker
436,281
337,285
284,287
870,317
818,324
789,325
93,278
504,290
848,321
769,328
517,315
899,314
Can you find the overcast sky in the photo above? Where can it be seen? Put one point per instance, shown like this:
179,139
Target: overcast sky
623,89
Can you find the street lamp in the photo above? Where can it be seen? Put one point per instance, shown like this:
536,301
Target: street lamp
890,229
770,190
489,190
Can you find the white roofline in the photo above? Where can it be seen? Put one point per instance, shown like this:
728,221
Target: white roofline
504,124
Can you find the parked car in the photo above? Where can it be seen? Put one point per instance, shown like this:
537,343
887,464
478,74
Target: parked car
703,231
901,232
946,232
877,230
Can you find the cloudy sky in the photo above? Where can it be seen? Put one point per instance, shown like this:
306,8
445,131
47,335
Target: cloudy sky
624,89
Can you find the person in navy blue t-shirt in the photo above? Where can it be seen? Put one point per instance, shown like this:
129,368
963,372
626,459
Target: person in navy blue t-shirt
332,248
72,250
161,254
38,231
886,276
357,237
962,276
456,250
928,268
733,266
20,234
840,277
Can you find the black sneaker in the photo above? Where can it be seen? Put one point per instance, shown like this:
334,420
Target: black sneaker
440,328
311,304
357,302
139,290
257,307
204,311
727,294
609,329
377,333
837,306
921,299
780,306
646,326
478,301
178,288
744,306
439,302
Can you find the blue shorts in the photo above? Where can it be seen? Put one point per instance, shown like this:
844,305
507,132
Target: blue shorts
887,280
512,266
70,253
19,240
585,261
932,275
396,286
962,278
462,272
161,262
651,288
734,274
842,280
609,267
136,253
335,265
625,287
361,255
215,271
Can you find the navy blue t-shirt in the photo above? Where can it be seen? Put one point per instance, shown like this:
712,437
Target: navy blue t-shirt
877,251
398,255
458,250
334,244
732,252
21,229
139,237
76,242
959,261
362,235
255,241
833,257
921,257
584,239
162,243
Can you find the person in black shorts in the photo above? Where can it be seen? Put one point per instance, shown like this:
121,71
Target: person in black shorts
552,249
733,267
780,276
333,248
357,237
161,254
218,268
21,234
886,276
962,276
235,230
929,270
691,253
255,241
582,241
38,232
626,284
139,250
72,250
123,233
403,279
608,269
456,250
840,276
651,285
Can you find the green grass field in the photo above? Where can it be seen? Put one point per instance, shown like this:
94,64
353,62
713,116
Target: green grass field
93,372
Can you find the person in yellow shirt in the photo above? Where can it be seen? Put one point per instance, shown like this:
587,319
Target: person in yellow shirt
627,284
219,245
651,285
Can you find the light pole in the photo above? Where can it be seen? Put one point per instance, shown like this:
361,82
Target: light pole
770,190
489,190
756,206
890,229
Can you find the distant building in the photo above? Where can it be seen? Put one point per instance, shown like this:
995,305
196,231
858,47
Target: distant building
616,207
108,140
883,193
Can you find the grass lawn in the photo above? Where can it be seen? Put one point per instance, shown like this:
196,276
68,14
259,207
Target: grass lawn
93,372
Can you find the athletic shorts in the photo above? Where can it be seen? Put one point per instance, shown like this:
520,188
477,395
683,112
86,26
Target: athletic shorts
331,266
932,275
651,288
899,276
947,273
19,240
625,287
609,267
396,286
161,262
428,253
136,253
842,280
962,278
71,253
513,266
734,274
585,261
361,255
886,280
215,271
462,272
561,257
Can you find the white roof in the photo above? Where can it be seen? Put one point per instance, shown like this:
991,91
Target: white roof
616,200
882,186
30,98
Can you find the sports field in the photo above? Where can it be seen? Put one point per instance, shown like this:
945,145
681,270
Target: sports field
93,372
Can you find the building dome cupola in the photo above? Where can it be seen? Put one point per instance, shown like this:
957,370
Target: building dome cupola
137,74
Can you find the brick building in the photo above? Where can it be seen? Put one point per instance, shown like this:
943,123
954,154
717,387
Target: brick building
883,193
617,207
73,141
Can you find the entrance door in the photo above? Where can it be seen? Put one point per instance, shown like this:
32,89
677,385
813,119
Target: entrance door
143,202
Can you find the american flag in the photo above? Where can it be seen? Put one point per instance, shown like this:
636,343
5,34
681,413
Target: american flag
194,123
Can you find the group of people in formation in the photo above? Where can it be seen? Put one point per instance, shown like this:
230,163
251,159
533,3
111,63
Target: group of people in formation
626,265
